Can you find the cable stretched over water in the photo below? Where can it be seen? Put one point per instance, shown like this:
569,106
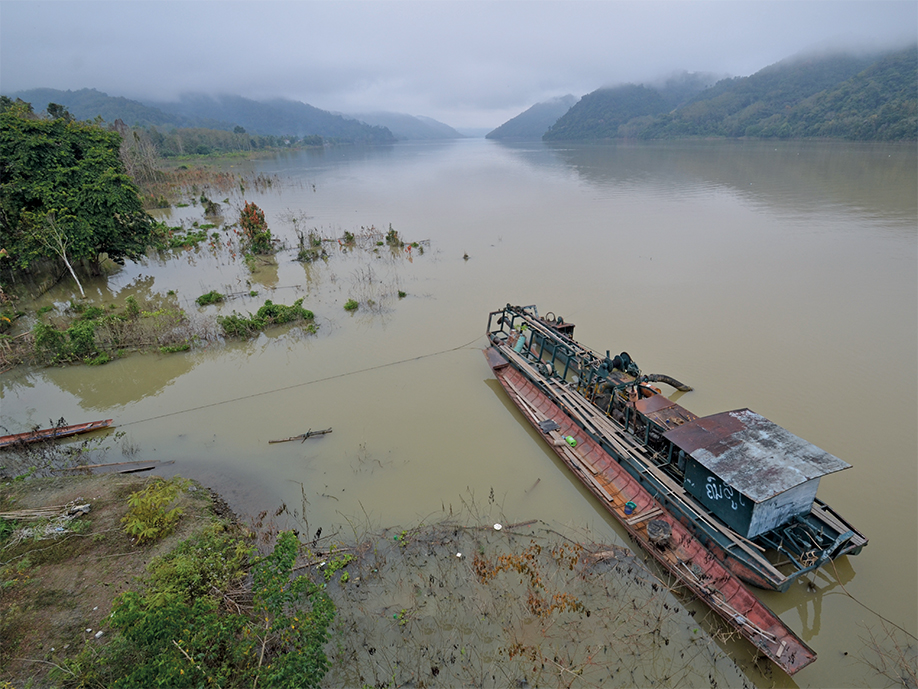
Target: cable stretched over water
300,385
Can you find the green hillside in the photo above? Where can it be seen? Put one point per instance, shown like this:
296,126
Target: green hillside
856,97
534,122
624,111
600,114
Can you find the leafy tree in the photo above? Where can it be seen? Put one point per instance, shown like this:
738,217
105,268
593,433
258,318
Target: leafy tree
69,171
58,112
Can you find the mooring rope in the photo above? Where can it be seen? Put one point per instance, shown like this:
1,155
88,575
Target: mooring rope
299,385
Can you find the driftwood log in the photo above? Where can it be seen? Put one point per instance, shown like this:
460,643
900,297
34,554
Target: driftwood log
302,437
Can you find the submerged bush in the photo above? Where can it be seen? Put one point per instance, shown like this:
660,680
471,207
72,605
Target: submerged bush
212,297
256,237
236,325
98,335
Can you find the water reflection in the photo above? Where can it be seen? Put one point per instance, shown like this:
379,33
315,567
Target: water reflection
872,179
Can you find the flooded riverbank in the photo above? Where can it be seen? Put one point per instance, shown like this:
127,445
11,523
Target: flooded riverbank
779,278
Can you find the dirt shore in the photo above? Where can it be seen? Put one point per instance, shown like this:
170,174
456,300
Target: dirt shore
438,605
59,574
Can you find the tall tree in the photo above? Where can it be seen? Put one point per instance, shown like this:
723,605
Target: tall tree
70,171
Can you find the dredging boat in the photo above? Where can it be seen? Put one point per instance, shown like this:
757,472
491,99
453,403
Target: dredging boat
744,486
715,499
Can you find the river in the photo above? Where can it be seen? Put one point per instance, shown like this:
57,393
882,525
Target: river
782,277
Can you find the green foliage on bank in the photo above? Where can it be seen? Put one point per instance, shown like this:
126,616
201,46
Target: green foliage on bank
152,514
855,97
185,628
64,191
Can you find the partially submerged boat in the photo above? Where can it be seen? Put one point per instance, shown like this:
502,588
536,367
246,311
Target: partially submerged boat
744,487
38,434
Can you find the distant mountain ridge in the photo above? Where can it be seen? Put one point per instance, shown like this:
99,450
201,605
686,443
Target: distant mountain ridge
409,127
277,117
861,97
534,122
87,104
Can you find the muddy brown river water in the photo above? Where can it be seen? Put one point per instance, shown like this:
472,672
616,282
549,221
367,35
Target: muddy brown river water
782,277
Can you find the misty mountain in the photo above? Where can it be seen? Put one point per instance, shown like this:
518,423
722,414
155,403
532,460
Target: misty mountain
867,97
87,104
534,122
408,127
276,117
602,113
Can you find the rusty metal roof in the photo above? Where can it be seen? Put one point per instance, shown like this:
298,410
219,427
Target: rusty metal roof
755,456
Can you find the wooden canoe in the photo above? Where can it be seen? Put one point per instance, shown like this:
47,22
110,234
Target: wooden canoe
684,556
52,433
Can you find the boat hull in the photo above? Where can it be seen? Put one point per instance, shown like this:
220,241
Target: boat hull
52,433
684,556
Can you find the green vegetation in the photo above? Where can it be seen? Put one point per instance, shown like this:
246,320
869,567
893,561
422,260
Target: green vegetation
270,314
851,97
164,238
256,237
95,335
179,631
599,115
392,238
351,305
64,191
148,519
212,297
311,246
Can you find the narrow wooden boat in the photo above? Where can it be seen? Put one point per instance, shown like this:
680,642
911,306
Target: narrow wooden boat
52,433
651,525
744,486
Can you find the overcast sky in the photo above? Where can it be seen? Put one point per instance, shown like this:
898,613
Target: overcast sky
468,63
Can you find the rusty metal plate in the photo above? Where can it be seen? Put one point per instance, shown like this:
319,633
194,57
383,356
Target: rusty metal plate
653,403
755,456
663,411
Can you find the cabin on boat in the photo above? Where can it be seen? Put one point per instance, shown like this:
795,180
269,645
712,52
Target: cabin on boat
750,472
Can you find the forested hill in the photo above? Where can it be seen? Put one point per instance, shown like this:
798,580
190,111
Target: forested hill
273,118
409,127
845,96
534,122
278,117
87,104
603,113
